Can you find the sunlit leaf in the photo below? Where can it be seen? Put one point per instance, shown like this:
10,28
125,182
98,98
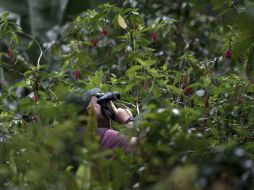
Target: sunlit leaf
122,22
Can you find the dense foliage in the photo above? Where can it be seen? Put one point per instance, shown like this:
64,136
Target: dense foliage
186,70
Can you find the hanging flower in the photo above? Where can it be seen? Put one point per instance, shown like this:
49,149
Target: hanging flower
104,32
10,53
36,97
94,42
228,53
187,90
77,74
154,37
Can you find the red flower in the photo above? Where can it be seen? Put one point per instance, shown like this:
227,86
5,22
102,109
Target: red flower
154,37
94,42
187,90
77,74
104,31
36,98
10,53
228,53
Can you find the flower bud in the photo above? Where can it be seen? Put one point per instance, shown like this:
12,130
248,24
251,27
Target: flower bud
94,42
187,90
228,53
36,98
104,32
77,74
154,37
10,53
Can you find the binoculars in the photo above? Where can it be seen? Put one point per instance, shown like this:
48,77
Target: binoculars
103,99
107,97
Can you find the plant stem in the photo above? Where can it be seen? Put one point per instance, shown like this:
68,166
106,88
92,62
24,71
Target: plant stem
249,66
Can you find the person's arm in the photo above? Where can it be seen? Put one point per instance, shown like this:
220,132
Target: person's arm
124,116
102,122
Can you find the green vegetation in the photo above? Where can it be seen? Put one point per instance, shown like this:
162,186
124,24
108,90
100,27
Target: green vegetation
185,67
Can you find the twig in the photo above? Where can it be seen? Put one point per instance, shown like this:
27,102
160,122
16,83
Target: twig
37,43
52,93
132,42
56,42
137,106
12,69
53,78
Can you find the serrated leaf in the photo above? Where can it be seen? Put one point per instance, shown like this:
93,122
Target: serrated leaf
174,89
131,71
121,22
4,17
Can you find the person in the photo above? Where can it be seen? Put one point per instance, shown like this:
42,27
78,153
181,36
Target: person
109,137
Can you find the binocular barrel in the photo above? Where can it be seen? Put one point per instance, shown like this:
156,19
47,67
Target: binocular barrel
109,96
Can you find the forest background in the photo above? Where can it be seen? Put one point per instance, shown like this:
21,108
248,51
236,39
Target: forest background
184,67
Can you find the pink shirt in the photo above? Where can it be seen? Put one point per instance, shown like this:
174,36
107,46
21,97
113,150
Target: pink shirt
113,139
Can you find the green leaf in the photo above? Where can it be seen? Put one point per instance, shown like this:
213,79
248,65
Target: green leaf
146,63
118,174
131,71
121,22
21,84
174,89
4,17
250,88
83,177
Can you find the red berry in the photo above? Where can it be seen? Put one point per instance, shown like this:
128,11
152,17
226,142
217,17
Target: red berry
77,74
94,42
187,90
228,53
104,31
154,37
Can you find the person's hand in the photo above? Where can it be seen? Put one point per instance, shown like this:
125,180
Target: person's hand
122,116
93,106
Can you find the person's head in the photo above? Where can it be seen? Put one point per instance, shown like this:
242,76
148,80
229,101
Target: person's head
86,101
82,99
93,106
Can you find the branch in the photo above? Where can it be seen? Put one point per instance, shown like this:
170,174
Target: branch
37,43
58,41
12,69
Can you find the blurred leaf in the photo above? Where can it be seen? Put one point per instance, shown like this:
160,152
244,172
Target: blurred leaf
122,22
83,177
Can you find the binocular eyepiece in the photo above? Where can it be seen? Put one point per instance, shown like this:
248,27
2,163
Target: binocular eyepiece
107,97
